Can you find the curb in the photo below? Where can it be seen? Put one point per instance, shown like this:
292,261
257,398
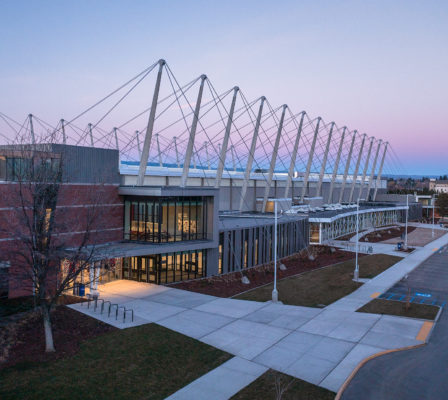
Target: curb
366,360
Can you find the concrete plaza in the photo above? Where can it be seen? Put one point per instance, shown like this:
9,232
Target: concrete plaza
321,346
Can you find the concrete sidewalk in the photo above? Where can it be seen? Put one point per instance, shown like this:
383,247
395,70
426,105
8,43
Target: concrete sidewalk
388,278
321,346
223,382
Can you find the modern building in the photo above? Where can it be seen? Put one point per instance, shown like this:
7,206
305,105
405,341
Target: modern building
440,186
161,232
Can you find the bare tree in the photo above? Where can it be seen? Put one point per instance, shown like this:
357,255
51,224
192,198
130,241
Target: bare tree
52,244
281,384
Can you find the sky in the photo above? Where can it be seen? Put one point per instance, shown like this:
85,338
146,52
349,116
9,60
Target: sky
376,66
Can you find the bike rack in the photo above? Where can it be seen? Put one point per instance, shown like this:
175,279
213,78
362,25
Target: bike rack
124,314
96,303
89,299
102,305
110,306
116,312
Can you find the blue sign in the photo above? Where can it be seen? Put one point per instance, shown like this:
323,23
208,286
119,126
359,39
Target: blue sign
423,294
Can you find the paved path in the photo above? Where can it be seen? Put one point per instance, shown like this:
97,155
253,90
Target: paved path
415,374
321,346
377,248
222,382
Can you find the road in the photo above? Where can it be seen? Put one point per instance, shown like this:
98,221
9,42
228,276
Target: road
421,373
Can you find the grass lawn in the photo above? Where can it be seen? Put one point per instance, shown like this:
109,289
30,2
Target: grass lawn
145,362
323,286
391,307
265,388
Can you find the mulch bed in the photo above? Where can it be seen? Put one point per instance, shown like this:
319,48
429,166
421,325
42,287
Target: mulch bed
70,329
386,234
230,284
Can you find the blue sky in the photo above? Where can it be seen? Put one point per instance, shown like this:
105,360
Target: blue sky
376,66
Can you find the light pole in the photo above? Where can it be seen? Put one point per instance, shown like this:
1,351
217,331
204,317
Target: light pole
433,207
275,292
356,273
406,226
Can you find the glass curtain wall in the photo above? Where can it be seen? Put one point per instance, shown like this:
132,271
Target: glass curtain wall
165,268
161,220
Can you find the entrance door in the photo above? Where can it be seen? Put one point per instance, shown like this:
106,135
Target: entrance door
151,262
141,269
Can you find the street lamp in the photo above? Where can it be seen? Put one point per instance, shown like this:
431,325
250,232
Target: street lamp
356,273
433,207
275,292
406,226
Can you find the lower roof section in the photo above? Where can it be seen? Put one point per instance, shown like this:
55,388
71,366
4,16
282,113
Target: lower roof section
167,191
133,249
254,220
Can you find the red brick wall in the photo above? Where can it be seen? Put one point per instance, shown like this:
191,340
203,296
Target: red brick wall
76,205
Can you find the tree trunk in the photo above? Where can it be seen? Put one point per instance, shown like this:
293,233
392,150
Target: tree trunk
49,345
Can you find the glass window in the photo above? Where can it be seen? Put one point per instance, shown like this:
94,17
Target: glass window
165,220
2,168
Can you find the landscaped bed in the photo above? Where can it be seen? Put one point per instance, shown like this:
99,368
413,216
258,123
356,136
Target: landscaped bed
230,284
323,286
264,388
391,307
97,361
386,234
23,304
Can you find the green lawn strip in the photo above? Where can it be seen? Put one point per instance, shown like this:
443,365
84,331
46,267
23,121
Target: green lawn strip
323,286
391,307
265,388
144,362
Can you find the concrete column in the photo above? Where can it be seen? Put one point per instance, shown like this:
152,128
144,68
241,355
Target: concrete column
90,134
336,166
33,138
250,158
116,140
310,160
223,149
194,124
177,152
274,158
139,148
378,178
92,276
206,154
372,171
324,162
366,166
149,129
232,150
117,147
347,166
64,136
292,164
355,175
158,150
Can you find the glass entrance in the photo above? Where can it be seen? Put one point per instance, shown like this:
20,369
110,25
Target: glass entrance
142,269
166,268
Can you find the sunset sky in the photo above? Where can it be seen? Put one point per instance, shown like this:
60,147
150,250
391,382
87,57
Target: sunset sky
376,66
